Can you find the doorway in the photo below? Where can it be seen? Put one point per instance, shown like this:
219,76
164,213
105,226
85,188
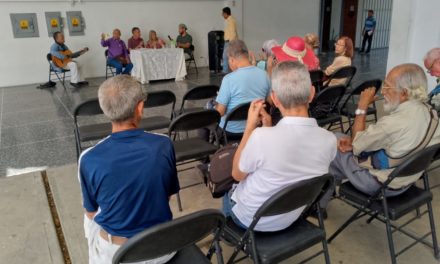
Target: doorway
349,18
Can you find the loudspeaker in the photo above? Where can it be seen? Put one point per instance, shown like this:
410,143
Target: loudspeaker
215,49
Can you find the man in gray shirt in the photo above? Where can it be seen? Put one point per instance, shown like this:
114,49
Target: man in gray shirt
184,40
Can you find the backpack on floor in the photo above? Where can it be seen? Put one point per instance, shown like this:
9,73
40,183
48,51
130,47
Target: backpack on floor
219,174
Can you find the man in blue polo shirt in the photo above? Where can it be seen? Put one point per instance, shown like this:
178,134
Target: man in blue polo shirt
369,28
128,177
245,84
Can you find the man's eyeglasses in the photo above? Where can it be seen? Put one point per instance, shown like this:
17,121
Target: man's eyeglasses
432,65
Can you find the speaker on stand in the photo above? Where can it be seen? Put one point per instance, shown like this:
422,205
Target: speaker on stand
215,50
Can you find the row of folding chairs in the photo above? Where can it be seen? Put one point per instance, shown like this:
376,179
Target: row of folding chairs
180,235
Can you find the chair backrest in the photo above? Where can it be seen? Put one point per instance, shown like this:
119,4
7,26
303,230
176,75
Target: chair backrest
239,113
327,100
376,83
169,237
88,108
49,57
293,197
106,53
316,76
200,93
194,120
416,163
160,98
346,72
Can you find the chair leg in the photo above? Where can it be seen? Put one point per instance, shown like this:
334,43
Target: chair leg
179,202
433,232
195,65
324,241
340,229
389,231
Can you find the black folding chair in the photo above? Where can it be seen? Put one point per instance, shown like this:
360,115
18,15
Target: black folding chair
158,99
239,113
89,132
178,235
191,58
108,67
273,247
350,104
387,209
346,73
202,92
317,77
324,107
192,149
58,72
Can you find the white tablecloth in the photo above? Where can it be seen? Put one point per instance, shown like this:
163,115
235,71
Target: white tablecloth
158,64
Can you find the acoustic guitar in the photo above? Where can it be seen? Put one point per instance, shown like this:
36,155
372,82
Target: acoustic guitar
69,55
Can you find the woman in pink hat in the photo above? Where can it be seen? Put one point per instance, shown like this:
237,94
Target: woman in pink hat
344,54
294,49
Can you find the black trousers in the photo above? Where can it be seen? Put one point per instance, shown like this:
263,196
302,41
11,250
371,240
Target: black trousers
364,41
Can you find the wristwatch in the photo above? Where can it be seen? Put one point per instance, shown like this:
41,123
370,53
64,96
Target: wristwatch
360,112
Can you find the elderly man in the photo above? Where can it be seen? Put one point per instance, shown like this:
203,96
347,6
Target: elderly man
369,156
230,35
432,64
184,40
128,177
269,159
244,84
117,53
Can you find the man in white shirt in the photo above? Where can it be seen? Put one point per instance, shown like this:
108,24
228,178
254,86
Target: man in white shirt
269,159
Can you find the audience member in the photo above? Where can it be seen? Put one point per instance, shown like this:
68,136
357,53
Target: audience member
369,156
184,40
230,35
432,64
154,42
344,54
265,55
269,159
61,51
117,53
127,178
294,49
135,42
368,31
312,41
244,84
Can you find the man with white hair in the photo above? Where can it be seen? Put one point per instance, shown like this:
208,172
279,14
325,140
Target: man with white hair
370,155
432,64
127,178
269,159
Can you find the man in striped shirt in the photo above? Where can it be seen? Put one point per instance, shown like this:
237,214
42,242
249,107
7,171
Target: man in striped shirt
369,28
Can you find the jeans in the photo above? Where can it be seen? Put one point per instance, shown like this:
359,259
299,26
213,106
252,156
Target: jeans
228,203
225,58
120,68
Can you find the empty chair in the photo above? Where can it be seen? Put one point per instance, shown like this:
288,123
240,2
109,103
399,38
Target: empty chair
324,107
348,108
157,99
190,149
58,72
346,73
178,235
191,58
378,206
239,113
108,68
202,92
273,247
317,78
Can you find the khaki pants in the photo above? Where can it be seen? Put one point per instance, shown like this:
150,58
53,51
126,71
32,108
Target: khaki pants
102,251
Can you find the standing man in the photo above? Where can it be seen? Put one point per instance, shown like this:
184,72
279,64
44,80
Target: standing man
230,35
60,51
117,53
184,40
369,28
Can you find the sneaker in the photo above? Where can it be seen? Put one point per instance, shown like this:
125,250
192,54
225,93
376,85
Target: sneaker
84,83
76,85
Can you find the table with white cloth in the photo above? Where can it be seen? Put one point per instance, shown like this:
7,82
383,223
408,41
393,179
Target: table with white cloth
158,64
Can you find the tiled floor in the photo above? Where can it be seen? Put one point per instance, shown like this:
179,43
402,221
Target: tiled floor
36,126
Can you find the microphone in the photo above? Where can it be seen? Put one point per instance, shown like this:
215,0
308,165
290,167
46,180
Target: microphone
169,37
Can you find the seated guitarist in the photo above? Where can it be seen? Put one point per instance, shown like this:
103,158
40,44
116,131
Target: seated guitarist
62,58
117,53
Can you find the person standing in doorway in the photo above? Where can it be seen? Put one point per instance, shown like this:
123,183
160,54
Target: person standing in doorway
230,35
369,28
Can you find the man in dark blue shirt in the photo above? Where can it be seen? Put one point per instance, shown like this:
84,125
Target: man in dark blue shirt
128,177
369,28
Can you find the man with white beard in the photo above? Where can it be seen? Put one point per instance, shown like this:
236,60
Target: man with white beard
370,154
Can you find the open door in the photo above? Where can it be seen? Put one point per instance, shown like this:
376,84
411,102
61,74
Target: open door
326,14
349,18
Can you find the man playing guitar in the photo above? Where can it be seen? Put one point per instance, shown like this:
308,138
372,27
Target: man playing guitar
62,58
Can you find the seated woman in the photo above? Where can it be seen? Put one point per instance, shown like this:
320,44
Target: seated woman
264,56
312,41
136,41
294,49
154,42
344,54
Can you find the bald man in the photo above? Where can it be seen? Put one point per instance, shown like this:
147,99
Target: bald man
432,65
117,53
